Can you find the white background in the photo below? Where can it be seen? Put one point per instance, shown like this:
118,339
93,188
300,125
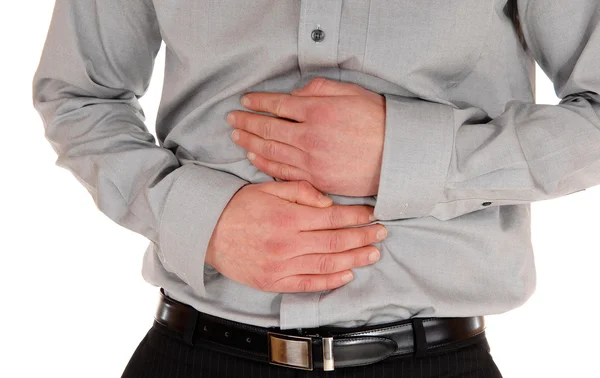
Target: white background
74,303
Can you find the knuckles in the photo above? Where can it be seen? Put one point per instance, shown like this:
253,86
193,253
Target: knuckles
304,284
266,128
334,242
326,264
281,102
270,149
334,216
285,173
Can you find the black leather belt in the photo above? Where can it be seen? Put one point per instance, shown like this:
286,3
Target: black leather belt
318,348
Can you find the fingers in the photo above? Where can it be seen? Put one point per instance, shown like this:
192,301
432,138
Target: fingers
321,86
316,271
267,127
276,169
310,282
334,217
326,263
270,149
337,240
300,192
281,104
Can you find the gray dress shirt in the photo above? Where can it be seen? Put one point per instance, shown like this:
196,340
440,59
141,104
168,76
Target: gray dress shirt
466,147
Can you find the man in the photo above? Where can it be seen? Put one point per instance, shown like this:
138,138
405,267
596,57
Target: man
417,121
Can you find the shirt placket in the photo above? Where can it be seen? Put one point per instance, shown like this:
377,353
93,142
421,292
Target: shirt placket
318,37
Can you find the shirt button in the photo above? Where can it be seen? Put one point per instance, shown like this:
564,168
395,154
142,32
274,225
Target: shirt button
317,35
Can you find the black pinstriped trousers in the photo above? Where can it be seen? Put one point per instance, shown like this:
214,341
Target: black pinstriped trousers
161,354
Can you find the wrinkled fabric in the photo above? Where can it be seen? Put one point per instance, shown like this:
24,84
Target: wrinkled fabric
466,147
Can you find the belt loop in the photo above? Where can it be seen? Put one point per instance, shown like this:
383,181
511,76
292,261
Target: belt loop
419,337
190,327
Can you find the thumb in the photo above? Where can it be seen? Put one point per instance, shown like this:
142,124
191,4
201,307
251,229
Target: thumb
320,86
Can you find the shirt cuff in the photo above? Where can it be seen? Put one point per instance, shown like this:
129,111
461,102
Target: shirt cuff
416,157
192,210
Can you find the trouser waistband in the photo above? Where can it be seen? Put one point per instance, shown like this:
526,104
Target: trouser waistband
323,348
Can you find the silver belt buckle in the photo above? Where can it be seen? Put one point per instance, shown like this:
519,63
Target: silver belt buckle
296,351
290,351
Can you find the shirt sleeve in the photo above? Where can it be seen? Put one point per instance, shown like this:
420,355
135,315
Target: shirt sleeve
444,162
96,63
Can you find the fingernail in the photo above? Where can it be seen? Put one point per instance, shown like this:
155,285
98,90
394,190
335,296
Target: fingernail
372,217
325,200
245,101
235,135
251,155
347,277
382,233
231,118
374,256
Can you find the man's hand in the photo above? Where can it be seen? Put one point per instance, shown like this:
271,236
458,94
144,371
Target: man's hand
279,237
329,133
